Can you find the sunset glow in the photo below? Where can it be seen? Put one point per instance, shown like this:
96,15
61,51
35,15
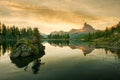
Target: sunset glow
51,15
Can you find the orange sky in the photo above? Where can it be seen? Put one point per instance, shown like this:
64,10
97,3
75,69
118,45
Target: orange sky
51,15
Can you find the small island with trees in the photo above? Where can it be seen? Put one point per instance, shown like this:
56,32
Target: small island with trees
27,42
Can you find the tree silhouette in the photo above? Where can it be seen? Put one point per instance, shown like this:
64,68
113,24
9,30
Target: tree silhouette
14,33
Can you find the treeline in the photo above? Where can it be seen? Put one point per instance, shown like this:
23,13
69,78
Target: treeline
14,33
109,34
59,36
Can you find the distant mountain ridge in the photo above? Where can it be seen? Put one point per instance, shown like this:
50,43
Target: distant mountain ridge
86,29
76,33
58,32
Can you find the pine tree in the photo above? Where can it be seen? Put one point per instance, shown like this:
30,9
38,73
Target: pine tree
36,35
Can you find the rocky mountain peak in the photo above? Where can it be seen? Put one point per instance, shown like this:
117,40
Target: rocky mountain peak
87,27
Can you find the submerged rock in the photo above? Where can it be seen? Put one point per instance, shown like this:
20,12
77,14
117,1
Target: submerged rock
25,48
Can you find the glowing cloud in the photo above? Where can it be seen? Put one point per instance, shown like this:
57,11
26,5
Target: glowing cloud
51,15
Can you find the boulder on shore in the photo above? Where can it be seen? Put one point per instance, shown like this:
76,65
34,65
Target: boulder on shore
25,48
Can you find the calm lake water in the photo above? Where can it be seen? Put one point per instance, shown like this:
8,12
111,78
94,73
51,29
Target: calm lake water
63,62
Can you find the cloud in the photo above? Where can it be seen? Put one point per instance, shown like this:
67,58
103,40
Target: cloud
45,13
56,13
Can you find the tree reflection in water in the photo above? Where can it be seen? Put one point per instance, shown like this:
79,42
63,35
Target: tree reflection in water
36,66
36,59
23,62
86,48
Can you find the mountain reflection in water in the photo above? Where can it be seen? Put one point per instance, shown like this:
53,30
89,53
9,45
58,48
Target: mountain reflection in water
64,60
86,48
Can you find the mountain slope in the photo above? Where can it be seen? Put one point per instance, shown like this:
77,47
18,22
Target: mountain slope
76,33
86,29
109,37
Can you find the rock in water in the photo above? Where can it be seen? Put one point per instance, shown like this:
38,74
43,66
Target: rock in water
25,48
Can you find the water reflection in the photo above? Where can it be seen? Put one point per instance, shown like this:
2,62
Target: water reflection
85,47
6,46
60,61
60,43
114,51
36,65
23,62
36,60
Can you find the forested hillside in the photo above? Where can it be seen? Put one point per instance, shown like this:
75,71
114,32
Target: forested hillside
15,33
109,36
